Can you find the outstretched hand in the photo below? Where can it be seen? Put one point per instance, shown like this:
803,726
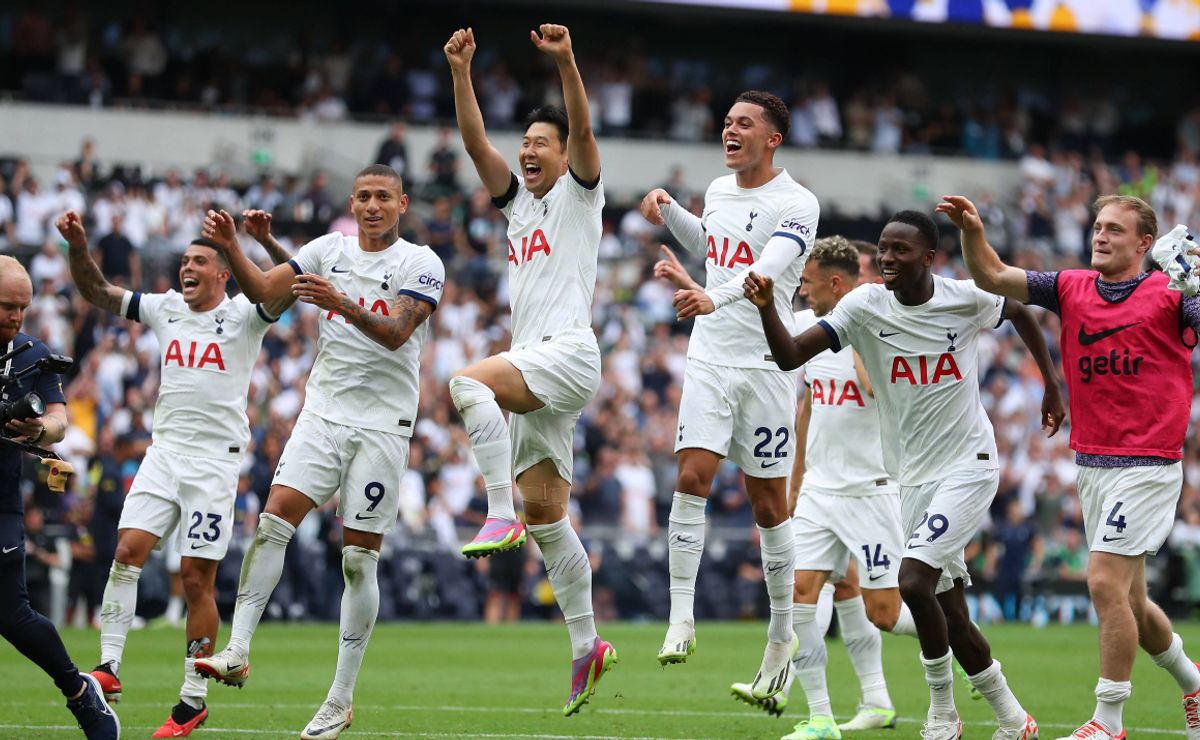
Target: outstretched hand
70,225
220,228
961,212
759,290
258,224
460,49
670,269
554,40
652,205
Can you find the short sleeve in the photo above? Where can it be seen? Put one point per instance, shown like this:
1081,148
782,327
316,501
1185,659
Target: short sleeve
590,195
506,202
145,308
312,255
798,222
1043,290
425,279
989,307
843,322
49,387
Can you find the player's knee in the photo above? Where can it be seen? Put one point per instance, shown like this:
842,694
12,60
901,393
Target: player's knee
466,392
914,588
357,563
1106,589
769,512
691,481
197,583
128,554
883,613
845,589
272,528
544,503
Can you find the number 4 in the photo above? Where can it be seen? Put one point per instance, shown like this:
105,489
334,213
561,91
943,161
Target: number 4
1114,520
879,560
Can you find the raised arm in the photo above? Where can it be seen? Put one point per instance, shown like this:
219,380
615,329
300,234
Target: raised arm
258,226
391,330
259,287
1053,410
91,283
582,152
987,269
489,163
787,351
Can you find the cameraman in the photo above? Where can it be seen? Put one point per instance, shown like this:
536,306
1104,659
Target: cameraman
27,630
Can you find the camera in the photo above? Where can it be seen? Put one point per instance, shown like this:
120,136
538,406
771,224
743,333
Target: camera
31,404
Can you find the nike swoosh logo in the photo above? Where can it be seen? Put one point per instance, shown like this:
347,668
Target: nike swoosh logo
334,269
876,578
7,550
771,465
913,547
1085,339
362,518
197,547
1106,538
173,320
885,335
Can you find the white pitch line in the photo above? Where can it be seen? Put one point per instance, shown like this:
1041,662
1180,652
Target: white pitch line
227,731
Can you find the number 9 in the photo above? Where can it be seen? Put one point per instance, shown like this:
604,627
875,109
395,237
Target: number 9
374,493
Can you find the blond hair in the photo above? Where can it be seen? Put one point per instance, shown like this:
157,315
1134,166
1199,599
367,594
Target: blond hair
836,252
1147,219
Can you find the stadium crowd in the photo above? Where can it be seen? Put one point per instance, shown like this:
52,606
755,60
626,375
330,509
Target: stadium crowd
660,90
1031,560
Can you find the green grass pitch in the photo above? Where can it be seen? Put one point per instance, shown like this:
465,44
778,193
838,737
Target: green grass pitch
473,681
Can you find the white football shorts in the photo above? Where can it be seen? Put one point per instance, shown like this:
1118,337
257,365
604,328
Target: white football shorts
1129,511
830,529
195,493
322,458
745,414
941,517
564,373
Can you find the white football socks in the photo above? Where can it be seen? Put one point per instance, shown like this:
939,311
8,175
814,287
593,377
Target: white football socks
685,545
261,569
488,431
939,674
905,625
865,647
778,558
824,608
994,687
360,607
117,611
1110,704
1176,662
570,574
811,659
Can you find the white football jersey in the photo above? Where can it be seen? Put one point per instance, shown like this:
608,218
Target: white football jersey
923,362
738,223
355,381
844,451
553,244
205,364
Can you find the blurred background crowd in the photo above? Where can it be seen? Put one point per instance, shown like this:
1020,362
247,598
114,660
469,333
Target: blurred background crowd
1069,146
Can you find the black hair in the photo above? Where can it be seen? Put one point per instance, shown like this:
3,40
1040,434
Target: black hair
201,241
553,115
383,171
774,109
921,222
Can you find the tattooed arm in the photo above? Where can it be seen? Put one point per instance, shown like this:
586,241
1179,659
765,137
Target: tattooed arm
92,284
258,226
392,331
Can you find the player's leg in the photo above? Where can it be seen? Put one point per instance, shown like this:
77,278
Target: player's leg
370,502
481,393
35,637
859,612
546,492
974,654
768,499
119,602
705,427
197,577
686,527
1158,638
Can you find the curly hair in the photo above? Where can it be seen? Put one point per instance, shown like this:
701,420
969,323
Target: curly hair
836,253
774,109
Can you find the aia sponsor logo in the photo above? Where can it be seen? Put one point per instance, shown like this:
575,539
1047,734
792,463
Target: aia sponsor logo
531,246
923,370
379,306
829,394
726,254
191,355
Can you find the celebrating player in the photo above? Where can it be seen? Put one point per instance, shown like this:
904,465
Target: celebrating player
736,403
553,369
189,475
918,337
1131,396
375,292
